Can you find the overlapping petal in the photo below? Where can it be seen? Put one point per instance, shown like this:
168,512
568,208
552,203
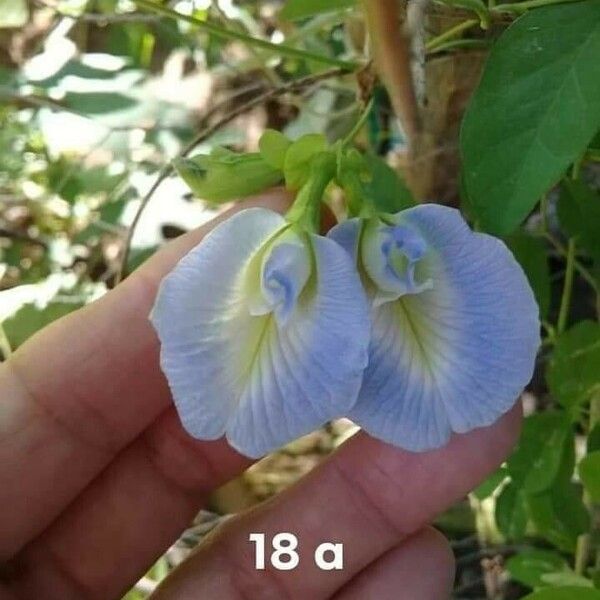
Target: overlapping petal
264,333
455,327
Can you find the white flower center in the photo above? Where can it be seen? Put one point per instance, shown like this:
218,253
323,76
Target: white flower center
286,268
394,258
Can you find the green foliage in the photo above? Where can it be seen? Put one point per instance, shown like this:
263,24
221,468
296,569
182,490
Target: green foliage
574,368
559,515
300,9
511,512
565,593
530,567
531,253
515,143
593,441
579,214
385,186
589,471
491,484
536,461
30,318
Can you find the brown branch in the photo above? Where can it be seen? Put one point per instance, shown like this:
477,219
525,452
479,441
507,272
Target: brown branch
391,50
209,130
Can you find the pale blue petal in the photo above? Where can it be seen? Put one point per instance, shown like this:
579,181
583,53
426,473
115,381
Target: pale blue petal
454,357
201,322
262,379
309,370
346,234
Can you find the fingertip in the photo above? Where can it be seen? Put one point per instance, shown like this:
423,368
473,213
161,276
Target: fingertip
437,547
422,566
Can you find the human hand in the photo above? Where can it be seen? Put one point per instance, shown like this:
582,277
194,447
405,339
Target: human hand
98,478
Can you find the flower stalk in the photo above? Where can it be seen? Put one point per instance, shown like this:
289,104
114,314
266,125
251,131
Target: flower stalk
305,213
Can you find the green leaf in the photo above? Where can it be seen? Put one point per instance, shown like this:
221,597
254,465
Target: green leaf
511,512
595,575
224,175
97,103
593,440
13,13
574,368
559,515
30,319
299,156
589,472
489,486
530,252
295,10
566,578
273,146
579,215
535,463
386,188
529,566
534,112
565,593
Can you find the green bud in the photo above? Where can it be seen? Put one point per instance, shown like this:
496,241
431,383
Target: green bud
224,175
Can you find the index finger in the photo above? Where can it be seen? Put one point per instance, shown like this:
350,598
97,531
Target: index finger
79,392
367,497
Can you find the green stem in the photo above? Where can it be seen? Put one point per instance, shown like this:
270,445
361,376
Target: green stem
359,124
359,204
520,7
581,269
228,34
306,210
451,33
565,301
466,44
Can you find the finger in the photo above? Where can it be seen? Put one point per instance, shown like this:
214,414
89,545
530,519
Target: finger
420,568
79,392
368,496
126,518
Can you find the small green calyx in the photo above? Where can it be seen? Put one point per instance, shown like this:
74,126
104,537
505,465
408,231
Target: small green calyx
305,213
352,173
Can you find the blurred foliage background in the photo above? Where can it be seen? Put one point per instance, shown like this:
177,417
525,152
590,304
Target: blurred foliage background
98,96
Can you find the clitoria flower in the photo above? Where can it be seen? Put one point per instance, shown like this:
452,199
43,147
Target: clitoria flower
264,331
455,325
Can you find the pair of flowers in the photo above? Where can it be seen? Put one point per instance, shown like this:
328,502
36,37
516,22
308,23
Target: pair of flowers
411,324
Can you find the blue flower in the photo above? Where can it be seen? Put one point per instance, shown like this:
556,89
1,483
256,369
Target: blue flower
264,332
455,327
